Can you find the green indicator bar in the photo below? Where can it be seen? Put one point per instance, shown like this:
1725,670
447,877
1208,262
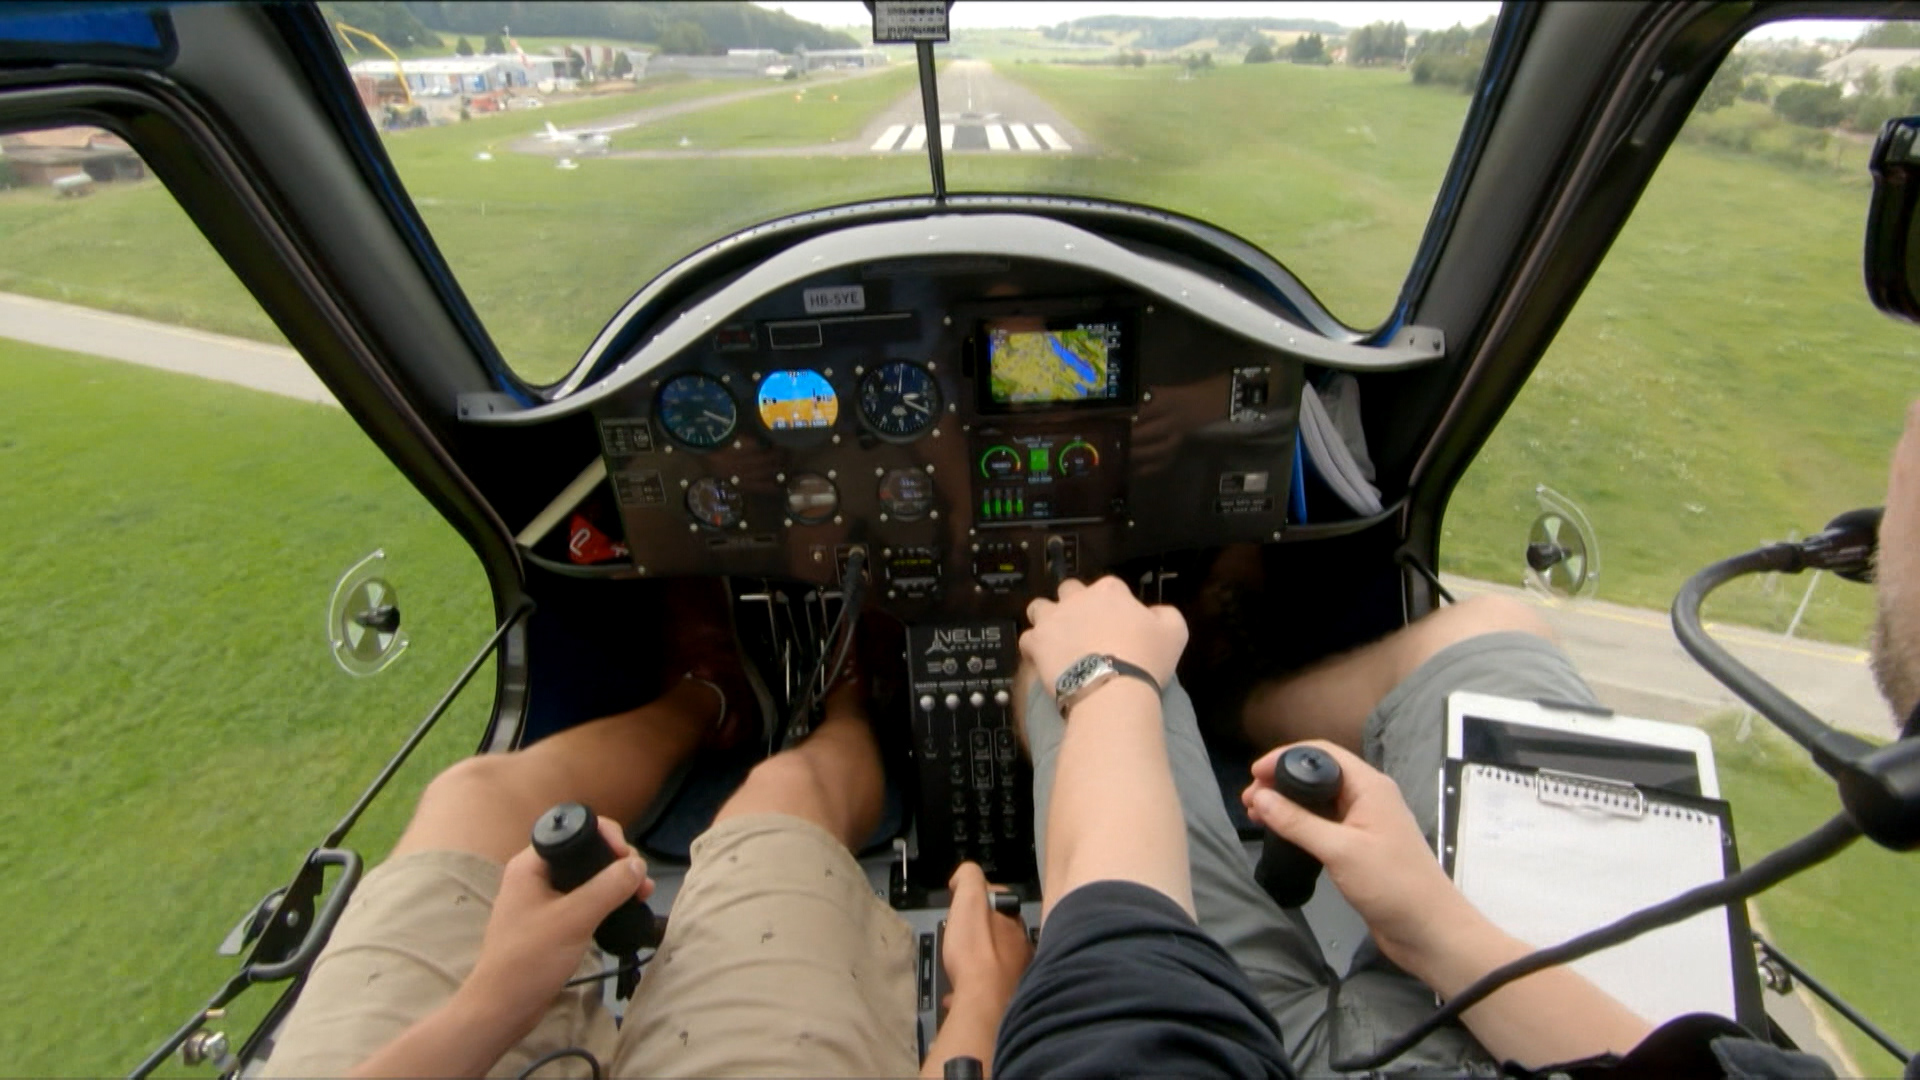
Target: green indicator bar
1020,505
986,507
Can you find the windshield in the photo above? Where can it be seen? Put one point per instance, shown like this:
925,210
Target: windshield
560,172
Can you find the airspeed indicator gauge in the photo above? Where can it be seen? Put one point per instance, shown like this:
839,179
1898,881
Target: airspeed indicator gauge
697,411
899,400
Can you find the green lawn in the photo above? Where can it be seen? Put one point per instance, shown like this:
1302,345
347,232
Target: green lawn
177,733
1847,921
813,113
1333,170
1723,381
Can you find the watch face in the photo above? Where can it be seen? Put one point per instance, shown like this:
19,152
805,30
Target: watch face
1078,673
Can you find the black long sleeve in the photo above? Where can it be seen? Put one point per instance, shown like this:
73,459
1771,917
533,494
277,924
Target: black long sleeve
1124,984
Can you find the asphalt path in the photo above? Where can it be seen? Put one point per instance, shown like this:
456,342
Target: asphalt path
980,112
1628,655
986,112
534,143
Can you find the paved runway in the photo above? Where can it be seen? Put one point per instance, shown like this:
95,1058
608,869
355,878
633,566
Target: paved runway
980,112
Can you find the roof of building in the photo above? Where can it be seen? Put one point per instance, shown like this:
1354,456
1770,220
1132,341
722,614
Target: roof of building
70,138
453,65
1859,60
66,155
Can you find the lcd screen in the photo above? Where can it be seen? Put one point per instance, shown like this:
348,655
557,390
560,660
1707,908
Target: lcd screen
1029,363
798,401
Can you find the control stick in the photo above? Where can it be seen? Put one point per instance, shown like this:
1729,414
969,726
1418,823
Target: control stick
568,838
1311,777
1056,561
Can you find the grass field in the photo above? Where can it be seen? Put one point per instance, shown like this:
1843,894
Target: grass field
1846,921
172,711
177,734
1723,381
812,114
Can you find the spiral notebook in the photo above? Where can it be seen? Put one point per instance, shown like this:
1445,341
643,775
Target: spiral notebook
1548,856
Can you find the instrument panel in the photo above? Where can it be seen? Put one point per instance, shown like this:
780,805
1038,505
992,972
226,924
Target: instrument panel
975,425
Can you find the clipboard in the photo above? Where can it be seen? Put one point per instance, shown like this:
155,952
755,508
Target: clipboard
1549,855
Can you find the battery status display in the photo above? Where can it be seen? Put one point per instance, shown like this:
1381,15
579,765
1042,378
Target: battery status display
1038,463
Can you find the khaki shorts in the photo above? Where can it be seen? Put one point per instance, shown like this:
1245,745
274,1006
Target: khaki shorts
779,960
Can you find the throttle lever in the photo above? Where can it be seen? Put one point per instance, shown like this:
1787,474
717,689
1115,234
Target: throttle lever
568,838
1056,562
1311,777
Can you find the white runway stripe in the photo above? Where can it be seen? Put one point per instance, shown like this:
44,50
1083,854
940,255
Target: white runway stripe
892,135
996,137
946,136
916,139
1054,141
1023,137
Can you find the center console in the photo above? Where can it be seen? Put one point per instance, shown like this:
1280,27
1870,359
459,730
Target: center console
975,783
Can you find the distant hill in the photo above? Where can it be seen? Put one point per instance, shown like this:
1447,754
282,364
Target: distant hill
727,24
391,23
1173,33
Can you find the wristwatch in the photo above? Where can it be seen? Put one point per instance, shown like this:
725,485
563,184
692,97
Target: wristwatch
1091,671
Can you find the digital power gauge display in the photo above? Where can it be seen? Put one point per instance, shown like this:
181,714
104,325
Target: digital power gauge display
1052,477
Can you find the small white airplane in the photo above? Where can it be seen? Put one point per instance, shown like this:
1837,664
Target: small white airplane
594,137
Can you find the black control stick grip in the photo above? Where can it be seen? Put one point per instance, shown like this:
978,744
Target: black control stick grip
1056,562
568,838
1311,777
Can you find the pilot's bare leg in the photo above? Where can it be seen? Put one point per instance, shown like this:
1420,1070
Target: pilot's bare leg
1332,699
779,958
414,928
616,765
832,779
1388,703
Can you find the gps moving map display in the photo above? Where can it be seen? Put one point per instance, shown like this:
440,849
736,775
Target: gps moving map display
1029,363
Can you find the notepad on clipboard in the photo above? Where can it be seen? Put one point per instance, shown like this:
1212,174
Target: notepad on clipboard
1548,856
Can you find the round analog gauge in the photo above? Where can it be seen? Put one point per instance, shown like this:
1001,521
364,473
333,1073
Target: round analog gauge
899,399
698,411
906,494
811,499
712,501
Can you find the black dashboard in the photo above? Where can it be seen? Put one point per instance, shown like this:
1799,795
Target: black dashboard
971,407
975,424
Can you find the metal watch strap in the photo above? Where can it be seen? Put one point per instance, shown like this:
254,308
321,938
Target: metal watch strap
1120,668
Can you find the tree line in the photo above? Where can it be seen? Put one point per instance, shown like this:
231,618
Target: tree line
688,27
1785,76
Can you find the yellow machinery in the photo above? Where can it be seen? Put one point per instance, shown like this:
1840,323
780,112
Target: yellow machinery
399,69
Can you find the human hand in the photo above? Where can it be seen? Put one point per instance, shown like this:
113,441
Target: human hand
1374,852
537,935
984,952
1103,617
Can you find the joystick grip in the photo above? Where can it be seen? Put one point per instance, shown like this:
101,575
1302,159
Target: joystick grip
1311,777
568,838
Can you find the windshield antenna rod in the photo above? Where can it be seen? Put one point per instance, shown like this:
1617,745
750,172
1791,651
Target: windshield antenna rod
930,104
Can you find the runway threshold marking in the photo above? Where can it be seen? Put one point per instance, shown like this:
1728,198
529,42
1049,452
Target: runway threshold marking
1052,137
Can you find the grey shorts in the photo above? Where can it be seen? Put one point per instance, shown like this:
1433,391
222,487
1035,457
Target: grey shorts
1321,1015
